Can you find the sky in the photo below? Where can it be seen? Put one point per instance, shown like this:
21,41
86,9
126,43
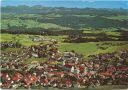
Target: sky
70,3
65,0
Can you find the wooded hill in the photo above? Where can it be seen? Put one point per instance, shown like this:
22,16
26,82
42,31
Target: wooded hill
60,18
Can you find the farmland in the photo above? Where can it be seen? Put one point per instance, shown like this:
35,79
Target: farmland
86,48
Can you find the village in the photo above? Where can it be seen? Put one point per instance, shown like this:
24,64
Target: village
61,69
64,44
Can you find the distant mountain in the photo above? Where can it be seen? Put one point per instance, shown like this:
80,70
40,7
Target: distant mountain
68,4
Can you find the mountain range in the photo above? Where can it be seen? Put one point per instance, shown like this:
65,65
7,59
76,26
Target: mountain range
68,4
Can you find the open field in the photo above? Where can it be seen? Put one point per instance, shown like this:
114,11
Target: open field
121,17
87,48
91,48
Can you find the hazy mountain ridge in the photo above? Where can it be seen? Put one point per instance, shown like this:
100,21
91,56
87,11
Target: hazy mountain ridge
69,4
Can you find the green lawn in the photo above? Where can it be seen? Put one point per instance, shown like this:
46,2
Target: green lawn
79,47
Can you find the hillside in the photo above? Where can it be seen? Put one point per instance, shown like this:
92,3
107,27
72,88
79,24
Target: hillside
60,18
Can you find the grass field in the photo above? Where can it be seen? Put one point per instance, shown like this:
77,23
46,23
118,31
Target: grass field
22,39
26,40
119,17
88,48
91,48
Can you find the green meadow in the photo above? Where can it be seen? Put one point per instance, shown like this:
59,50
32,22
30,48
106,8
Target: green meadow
85,48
